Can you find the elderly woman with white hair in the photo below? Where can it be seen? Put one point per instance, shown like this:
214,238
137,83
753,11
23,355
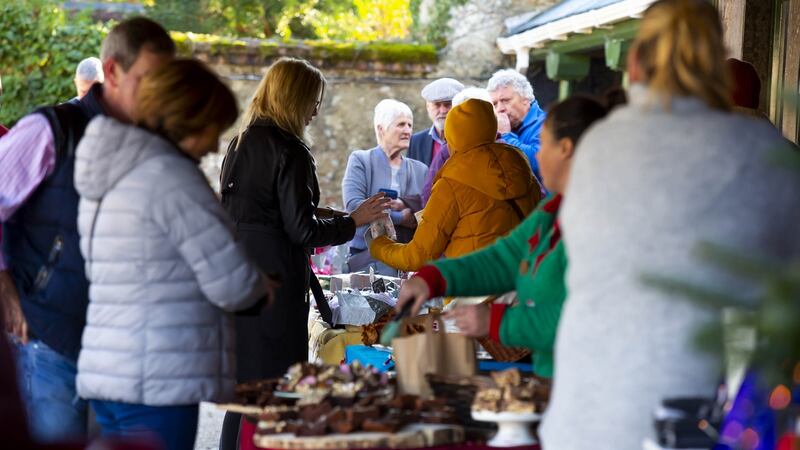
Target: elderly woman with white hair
519,117
385,169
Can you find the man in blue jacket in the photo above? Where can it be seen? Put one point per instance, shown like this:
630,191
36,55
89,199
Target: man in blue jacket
519,117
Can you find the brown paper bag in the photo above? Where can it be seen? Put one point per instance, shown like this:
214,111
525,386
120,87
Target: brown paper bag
433,351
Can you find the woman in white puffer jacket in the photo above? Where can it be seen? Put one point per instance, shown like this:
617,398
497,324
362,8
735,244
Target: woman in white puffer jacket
161,259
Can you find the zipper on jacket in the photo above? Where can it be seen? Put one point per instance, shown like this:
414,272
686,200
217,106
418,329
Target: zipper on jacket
46,272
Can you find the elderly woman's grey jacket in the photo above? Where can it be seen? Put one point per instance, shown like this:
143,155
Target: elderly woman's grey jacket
163,268
368,171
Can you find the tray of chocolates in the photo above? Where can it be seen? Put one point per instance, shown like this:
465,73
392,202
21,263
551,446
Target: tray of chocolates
353,405
306,383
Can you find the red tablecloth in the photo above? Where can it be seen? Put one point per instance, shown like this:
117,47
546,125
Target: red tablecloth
248,429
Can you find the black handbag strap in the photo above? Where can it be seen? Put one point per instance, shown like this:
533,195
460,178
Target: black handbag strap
319,297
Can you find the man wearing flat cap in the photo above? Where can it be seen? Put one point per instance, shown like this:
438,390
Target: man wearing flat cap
438,97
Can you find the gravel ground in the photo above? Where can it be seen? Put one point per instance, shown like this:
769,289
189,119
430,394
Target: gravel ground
209,427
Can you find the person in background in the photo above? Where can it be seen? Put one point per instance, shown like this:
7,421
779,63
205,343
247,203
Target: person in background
672,170
161,260
43,286
746,88
3,129
88,72
530,260
384,168
444,154
485,190
519,117
438,96
270,188
614,96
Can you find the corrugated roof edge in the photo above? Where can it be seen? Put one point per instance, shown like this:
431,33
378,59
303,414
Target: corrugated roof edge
518,24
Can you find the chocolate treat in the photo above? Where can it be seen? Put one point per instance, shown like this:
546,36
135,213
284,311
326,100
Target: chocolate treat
335,415
317,428
344,402
278,413
310,413
404,401
487,400
368,412
366,400
292,426
434,403
255,392
513,393
382,426
516,406
437,417
510,377
271,427
343,427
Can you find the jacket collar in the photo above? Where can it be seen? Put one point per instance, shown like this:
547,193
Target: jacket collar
434,133
535,114
92,102
641,96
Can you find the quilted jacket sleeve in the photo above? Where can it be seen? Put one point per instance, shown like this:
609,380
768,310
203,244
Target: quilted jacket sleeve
439,220
197,226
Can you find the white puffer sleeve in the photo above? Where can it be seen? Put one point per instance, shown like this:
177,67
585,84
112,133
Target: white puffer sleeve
196,224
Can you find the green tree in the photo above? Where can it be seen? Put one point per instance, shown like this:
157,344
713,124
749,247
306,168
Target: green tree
361,20
39,50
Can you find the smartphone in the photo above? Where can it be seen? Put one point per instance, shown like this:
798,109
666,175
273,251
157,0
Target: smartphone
391,193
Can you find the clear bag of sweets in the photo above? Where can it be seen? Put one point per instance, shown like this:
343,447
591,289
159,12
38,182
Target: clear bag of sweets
383,227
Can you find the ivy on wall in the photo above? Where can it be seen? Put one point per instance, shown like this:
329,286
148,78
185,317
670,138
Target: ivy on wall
40,48
330,51
436,29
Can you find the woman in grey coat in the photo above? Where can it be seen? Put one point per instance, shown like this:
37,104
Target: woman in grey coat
163,266
671,170
385,169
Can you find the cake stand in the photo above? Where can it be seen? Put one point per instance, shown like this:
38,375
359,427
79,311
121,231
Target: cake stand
513,429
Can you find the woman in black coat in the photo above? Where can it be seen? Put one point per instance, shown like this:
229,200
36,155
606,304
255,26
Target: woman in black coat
270,189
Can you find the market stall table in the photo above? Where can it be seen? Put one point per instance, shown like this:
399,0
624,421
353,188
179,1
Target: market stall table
248,430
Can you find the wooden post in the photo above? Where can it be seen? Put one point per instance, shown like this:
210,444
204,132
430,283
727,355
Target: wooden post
616,53
791,77
564,89
732,13
523,59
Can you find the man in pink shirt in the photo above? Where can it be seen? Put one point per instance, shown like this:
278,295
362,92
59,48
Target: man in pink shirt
43,288
3,129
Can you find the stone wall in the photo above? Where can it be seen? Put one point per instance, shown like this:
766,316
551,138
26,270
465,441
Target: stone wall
475,26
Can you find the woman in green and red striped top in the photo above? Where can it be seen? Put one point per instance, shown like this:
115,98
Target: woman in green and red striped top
530,260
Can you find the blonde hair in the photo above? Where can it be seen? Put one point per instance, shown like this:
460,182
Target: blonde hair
183,98
680,50
287,94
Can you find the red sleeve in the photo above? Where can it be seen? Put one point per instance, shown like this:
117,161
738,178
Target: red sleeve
434,279
495,319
